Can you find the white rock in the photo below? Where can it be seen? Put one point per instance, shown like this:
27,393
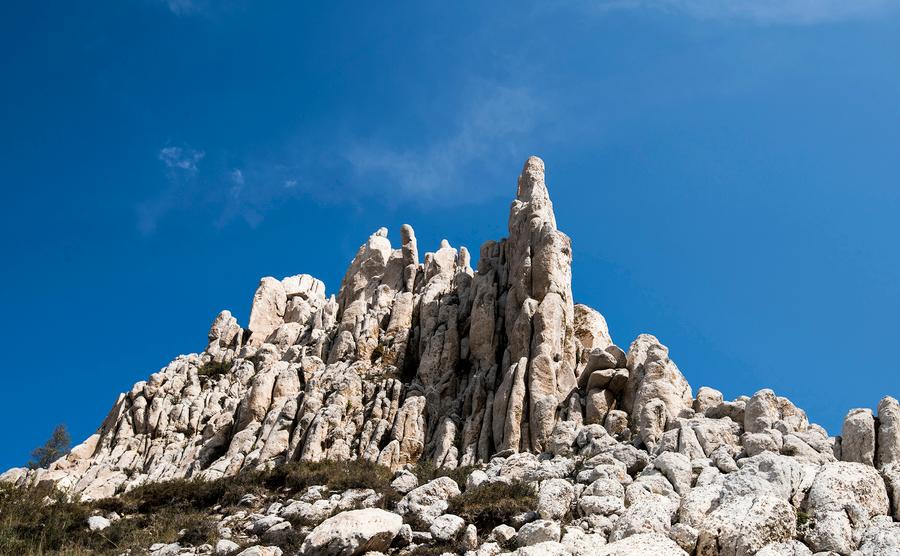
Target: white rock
502,534
858,437
98,523
642,544
888,432
742,525
539,531
261,551
651,514
225,547
430,500
788,548
447,527
404,482
555,497
353,532
469,540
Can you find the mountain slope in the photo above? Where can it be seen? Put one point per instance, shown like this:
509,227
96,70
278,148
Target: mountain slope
433,361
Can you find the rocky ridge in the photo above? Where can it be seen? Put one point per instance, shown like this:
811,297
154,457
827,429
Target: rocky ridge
497,368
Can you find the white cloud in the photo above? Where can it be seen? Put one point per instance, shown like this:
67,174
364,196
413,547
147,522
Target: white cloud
182,7
181,158
450,163
788,12
493,126
181,168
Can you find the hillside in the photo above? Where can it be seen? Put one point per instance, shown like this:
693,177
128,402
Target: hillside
362,421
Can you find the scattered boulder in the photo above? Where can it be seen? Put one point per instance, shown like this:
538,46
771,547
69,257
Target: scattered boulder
352,533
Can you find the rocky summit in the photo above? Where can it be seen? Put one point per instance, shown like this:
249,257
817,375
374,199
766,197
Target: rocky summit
495,377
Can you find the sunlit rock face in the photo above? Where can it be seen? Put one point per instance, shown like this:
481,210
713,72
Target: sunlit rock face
427,359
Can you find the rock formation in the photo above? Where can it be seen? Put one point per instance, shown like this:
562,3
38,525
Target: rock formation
497,367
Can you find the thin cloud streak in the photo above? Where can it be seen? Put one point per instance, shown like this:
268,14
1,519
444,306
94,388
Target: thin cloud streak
494,126
492,129
767,12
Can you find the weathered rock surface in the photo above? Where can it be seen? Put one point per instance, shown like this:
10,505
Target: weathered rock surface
496,367
354,532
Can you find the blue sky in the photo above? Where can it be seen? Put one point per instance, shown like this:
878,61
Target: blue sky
728,172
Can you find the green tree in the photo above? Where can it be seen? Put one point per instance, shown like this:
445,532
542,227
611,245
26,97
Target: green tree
56,447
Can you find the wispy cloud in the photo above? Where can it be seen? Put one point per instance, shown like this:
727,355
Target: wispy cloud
202,8
785,12
180,169
490,129
183,7
181,158
493,125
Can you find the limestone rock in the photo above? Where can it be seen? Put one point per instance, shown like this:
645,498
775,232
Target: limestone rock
447,527
267,313
888,432
98,523
353,532
641,545
539,531
430,500
858,437
555,497
653,376
496,371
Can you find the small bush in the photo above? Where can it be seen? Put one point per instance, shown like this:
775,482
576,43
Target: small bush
341,475
42,521
491,504
37,518
437,549
214,369
802,518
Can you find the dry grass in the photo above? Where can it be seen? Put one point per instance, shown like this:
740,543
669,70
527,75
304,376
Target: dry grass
40,521
491,504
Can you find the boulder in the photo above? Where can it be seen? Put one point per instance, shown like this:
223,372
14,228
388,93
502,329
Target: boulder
888,451
430,500
98,523
653,376
743,525
554,499
352,533
447,527
539,531
642,544
858,437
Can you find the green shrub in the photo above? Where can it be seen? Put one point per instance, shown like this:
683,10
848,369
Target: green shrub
489,505
214,369
341,475
37,519
169,511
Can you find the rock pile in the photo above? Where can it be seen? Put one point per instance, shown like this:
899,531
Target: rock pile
497,367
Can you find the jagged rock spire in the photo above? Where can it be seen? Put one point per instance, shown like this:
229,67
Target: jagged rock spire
411,359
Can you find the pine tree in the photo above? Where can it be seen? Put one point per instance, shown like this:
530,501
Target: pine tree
56,447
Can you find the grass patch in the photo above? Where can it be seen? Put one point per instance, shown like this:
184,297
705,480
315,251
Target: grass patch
437,549
489,505
40,521
214,369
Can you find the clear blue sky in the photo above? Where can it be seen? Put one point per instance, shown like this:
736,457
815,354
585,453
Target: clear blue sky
728,172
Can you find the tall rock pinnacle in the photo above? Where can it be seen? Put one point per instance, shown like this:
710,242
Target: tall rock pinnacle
429,360
410,359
